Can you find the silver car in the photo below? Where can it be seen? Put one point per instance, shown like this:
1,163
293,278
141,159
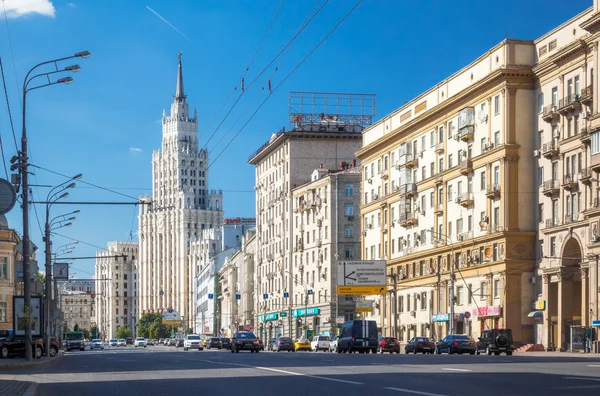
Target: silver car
97,344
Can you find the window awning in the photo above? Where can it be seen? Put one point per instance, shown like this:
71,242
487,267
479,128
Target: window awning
536,314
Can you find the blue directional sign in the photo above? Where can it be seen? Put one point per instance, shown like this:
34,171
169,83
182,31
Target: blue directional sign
238,297
286,294
211,296
310,292
596,323
265,296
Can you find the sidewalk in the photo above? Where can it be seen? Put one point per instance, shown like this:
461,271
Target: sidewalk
22,388
18,388
18,363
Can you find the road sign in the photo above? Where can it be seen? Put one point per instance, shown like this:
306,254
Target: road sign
265,296
171,322
361,273
467,314
171,317
60,270
238,297
364,309
8,196
283,314
364,306
286,294
361,289
310,292
596,323
211,296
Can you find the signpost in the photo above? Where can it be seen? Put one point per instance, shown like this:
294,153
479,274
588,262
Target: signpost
361,277
364,306
171,317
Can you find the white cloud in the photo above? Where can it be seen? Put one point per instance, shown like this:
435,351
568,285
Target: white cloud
135,149
19,8
72,5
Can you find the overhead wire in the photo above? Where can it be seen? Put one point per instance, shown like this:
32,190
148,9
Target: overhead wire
286,78
263,71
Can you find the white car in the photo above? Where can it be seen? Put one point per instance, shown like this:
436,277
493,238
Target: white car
319,343
121,342
192,341
140,341
333,344
97,344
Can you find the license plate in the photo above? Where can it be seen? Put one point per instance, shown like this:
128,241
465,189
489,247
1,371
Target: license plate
426,348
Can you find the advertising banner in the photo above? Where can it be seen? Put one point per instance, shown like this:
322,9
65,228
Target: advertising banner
20,316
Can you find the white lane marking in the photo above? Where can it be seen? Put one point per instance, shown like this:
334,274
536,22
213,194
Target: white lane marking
308,375
593,365
456,369
414,392
582,379
379,364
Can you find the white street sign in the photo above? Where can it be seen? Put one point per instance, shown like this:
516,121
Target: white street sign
361,273
339,320
364,304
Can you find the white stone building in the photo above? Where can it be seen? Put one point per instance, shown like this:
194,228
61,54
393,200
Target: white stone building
207,256
117,290
180,208
286,161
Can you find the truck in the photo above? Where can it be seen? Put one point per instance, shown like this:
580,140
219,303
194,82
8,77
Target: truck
358,336
74,340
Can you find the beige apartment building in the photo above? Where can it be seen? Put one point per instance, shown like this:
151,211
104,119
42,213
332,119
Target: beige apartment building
321,136
448,181
8,282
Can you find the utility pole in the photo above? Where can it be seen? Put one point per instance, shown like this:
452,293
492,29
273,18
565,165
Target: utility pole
394,304
451,283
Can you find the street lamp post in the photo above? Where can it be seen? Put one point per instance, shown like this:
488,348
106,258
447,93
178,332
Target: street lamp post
23,165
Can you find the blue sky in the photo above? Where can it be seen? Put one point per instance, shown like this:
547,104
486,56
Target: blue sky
106,124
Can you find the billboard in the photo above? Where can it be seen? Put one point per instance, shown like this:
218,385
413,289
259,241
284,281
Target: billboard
60,271
20,316
361,277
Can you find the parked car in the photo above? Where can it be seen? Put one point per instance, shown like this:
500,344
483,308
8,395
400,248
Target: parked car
226,342
129,340
172,342
121,342
388,344
358,336
261,344
166,341
455,343
53,346
320,343
113,342
205,342
75,340
179,343
15,346
244,341
161,341
302,344
272,344
495,341
214,342
333,344
419,344
192,341
150,341
140,342
97,344
284,344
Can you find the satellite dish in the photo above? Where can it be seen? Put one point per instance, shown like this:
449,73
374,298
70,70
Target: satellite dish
8,196
488,251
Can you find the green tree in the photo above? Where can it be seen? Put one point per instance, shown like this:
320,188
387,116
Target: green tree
188,331
94,331
124,332
86,333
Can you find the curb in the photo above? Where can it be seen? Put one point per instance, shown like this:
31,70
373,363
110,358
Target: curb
31,365
32,390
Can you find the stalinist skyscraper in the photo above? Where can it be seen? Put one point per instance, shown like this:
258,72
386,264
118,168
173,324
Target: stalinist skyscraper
181,206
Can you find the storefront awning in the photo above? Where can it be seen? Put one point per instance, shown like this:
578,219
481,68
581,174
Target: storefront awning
535,314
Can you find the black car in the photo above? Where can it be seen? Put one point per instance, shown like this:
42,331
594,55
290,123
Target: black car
179,343
226,343
496,341
214,342
358,336
388,344
15,346
454,343
419,344
244,341
284,344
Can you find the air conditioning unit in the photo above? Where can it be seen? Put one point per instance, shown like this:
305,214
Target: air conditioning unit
536,153
595,238
413,313
456,137
460,238
421,154
585,114
370,180
485,219
532,280
556,133
457,200
370,226
375,196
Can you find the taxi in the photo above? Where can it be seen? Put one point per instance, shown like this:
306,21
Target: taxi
302,344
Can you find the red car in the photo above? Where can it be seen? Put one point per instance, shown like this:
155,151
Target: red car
388,344
420,344
129,341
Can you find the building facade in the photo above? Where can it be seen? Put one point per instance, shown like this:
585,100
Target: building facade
208,255
317,139
568,155
181,207
8,283
77,310
116,299
443,185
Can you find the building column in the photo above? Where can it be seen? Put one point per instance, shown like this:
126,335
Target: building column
546,340
565,295
585,300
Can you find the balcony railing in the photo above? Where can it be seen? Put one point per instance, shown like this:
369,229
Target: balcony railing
466,199
493,191
550,113
464,236
412,160
585,176
571,218
550,149
466,133
466,166
411,189
584,135
585,96
551,187
552,222
568,103
569,182
438,208
439,147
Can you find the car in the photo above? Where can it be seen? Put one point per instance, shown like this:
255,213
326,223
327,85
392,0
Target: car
75,340
166,341
140,341
495,341
121,342
333,344
179,342
455,343
53,346
302,344
226,342
320,342
214,342
97,344
161,341
129,340
284,344
172,342
113,342
358,336
272,344
388,344
244,341
419,344
192,341
12,345
149,341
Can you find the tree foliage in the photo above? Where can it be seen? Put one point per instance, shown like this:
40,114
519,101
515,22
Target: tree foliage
124,332
150,326
94,331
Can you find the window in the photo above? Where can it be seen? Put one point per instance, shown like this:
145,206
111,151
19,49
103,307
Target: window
441,163
541,248
496,104
401,303
555,96
385,163
424,301
349,231
450,129
552,246
349,190
483,290
423,138
552,45
432,138
459,295
423,173
496,138
541,212
595,143
432,169
450,162
3,311
3,268
349,253
496,288
540,103
483,180
378,166
541,176
349,209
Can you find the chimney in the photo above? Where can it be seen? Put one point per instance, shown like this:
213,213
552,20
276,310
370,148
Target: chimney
321,166
354,162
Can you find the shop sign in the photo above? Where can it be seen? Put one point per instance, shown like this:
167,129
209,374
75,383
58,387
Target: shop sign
305,312
493,310
443,317
540,305
268,317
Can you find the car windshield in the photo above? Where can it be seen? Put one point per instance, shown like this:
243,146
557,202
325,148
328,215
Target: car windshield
113,340
461,338
419,339
303,341
225,339
243,336
193,337
74,336
121,340
140,339
285,339
323,338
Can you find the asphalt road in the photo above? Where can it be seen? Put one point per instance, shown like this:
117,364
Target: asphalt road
170,371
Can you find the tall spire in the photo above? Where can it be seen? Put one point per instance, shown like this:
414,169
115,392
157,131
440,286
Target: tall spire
179,95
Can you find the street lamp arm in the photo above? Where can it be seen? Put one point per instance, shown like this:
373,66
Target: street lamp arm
60,81
82,54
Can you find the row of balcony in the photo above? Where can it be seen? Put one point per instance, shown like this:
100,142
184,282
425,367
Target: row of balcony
570,182
571,102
